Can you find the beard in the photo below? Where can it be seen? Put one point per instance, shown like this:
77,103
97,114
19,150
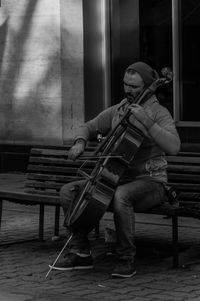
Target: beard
130,98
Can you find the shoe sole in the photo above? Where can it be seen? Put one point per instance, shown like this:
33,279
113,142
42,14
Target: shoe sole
122,275
72,268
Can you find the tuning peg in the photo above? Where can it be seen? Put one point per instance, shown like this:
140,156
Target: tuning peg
167,73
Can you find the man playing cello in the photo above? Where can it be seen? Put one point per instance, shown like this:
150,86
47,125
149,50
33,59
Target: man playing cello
141,186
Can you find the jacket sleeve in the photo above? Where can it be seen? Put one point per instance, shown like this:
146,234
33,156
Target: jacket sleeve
100,124
164,132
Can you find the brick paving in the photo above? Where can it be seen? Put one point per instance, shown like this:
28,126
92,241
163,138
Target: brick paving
24,265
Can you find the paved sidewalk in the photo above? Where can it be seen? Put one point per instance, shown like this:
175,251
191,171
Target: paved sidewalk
24,265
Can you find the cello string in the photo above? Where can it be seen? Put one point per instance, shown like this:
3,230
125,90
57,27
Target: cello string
82,165
95,157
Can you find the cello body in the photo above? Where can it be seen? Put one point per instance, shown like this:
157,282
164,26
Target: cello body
99,191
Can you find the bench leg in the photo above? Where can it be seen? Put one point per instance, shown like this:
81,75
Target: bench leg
1,210
175,241
57,220
41,223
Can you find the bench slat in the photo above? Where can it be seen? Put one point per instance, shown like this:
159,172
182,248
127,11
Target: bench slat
183,178
183,159
190,195
42,192
184,168
60,161
56,169
57,152
187,186
51,177
46,184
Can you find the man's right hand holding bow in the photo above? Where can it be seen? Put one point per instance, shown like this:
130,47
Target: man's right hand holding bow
76,150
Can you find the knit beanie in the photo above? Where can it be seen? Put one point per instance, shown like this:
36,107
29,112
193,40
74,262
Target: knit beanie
148,74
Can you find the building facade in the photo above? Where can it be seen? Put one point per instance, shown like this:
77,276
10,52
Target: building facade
62,62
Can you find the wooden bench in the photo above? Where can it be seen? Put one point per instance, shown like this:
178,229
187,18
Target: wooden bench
49,169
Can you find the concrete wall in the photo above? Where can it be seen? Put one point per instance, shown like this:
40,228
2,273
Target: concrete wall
41,69
72,65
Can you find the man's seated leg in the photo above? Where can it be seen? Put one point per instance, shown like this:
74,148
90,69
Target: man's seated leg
77,255
138,196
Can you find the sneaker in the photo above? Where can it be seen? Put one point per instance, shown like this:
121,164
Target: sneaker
74,262
124,269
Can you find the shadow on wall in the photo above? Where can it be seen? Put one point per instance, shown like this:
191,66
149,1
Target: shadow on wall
10,75
24,109
3,35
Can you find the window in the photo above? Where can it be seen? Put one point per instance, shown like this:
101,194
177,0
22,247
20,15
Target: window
189,51
169,35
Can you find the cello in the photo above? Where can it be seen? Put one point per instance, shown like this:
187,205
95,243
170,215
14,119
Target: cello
115,154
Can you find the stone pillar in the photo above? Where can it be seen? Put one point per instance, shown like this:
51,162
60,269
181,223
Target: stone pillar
72,65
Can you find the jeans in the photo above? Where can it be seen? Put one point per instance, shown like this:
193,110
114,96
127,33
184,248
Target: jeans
68,194
137,196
